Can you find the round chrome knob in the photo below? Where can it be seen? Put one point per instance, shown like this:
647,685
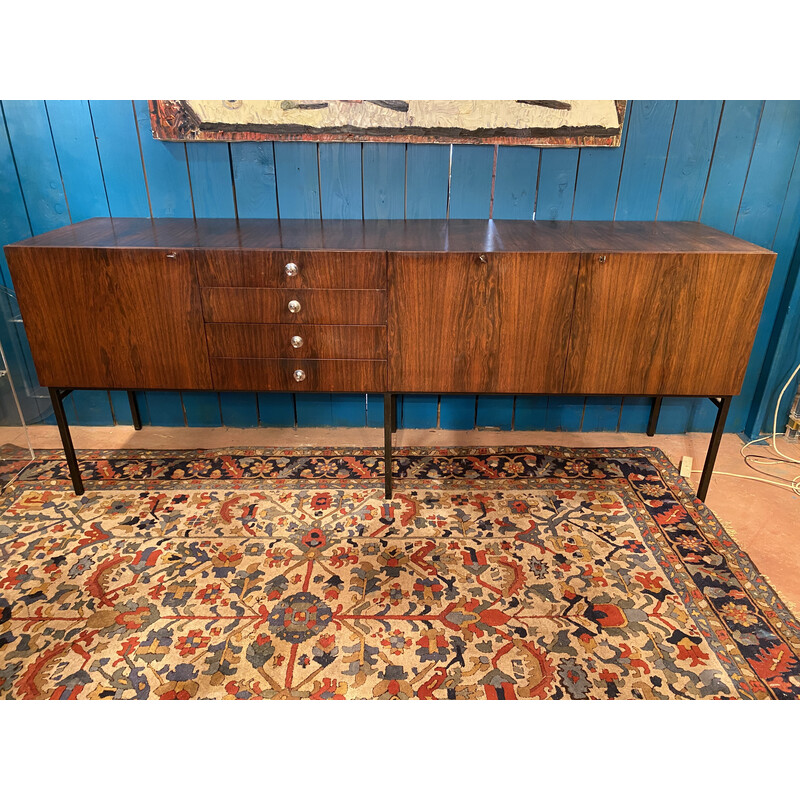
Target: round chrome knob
294,306
299,375
297,341
291,269
482,258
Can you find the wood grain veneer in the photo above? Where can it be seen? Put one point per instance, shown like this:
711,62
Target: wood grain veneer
323,306
315,269
423,235
672,324
234,340
97,318
468,306
459,324
331,375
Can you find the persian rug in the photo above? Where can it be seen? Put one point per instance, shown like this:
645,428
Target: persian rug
535,572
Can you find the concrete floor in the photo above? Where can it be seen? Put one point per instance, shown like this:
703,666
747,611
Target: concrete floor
763,519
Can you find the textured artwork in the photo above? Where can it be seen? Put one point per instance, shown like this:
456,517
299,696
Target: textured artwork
546,123
535,572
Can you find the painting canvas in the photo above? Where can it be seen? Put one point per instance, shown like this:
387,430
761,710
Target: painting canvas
545,123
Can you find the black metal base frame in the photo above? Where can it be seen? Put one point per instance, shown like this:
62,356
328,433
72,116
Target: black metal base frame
389,427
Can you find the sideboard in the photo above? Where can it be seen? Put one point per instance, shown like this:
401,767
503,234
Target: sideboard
458,306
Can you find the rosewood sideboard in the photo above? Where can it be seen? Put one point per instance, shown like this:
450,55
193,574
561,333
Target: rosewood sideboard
459,306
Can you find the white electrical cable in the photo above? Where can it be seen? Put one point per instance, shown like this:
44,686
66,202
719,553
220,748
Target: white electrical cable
775,419
793,484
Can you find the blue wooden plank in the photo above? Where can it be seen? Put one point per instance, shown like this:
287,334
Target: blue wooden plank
557,172
635,414
645,156
165,409
254,179
37,166
702,415
122,408
118,144
783,352
471,181
427,187
735,141
82,178
212,196
313,410
384,168
564,413
212,183
515,181
417,411
374,410
427,181
530,413
349,410
14,225
596,189
166,170
340,190
276,410
770,171
598,179
495,411
340,180
40,176
92,408
239,409
689,159
470,198
457,412
297,176
764,195
202,409
685,175
674,415
78,160
601,414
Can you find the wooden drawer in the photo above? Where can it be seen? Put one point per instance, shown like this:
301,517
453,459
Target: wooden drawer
320,306
315,270
232,340
277,374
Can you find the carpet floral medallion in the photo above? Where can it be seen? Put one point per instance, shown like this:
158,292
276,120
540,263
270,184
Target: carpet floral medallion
534,572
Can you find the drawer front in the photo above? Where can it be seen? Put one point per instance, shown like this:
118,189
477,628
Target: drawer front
318,306
306,270
232,340
278,374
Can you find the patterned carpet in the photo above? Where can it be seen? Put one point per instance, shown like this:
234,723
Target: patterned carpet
507,573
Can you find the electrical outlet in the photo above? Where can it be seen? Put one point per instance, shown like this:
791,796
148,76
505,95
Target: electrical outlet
686,466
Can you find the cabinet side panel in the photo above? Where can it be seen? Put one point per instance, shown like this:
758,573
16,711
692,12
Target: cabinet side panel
112,318
670,323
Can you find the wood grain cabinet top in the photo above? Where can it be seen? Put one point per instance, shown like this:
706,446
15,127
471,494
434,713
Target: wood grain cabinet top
440,306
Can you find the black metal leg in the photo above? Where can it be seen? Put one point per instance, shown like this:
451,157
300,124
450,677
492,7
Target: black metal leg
394,413
57,396
654,412
388,405
137,420
722,404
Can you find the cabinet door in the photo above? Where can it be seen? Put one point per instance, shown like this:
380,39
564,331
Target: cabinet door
459,323
112,318
667,323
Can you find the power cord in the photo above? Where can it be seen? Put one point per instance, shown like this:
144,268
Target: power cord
793,484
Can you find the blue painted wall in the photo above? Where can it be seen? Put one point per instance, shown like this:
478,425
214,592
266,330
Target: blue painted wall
730,165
